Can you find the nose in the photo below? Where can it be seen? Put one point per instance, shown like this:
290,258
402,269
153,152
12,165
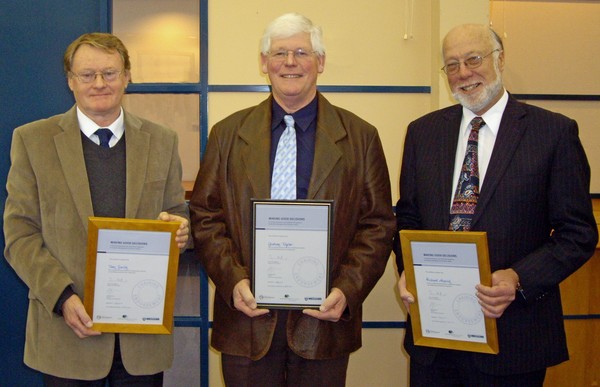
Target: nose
102,81
290,58
464,71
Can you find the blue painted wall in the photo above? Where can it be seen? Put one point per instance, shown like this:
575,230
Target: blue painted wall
34,35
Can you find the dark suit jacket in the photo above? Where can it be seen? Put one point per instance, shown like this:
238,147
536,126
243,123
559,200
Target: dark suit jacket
349,167
535,207
46,225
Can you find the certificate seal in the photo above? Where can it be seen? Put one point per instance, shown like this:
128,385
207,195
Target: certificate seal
466,309
308,272
147,294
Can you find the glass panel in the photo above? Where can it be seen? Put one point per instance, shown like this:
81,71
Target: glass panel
186,364
162,37
180,112
187,296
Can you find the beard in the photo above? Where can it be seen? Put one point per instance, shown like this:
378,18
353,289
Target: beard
481,100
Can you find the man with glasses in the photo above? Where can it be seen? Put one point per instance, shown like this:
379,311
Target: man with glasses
94,160
338,157
527,185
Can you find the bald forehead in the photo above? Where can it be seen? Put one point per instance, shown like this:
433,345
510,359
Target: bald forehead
472,34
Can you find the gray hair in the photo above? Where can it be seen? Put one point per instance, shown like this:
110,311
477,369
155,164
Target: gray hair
496,40
291,24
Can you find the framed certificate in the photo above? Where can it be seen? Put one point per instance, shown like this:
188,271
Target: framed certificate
442,269
291,253
131,275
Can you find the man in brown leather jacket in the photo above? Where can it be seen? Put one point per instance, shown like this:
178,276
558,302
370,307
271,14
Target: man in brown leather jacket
340,158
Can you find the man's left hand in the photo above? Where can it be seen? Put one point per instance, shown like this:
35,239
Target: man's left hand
183,233
331,309
494,300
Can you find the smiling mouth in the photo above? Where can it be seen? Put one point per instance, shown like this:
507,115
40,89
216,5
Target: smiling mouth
291,76
468,88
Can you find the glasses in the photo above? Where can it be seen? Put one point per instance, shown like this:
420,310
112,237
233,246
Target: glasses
107,75
470,63
282,55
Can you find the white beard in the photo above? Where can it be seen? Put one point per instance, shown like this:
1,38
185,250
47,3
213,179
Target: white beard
478,102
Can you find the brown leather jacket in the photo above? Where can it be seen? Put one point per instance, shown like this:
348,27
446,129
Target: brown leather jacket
349,168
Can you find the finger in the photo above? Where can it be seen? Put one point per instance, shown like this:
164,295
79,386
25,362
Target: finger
85,323
312,313
405,295
250,311
258,312
326,316
82,330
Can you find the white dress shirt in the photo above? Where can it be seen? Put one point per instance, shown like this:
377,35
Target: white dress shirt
487,139
88,127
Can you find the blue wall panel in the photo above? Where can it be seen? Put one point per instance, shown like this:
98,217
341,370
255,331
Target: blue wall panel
34,35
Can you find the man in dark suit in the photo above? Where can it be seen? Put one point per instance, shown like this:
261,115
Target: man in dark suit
62,173
339,158
532,199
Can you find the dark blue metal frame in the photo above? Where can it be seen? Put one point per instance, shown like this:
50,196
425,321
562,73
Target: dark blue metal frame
201,88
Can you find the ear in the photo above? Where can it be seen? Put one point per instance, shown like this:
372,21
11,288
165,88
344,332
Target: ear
321,63
501,61
70,80
263,63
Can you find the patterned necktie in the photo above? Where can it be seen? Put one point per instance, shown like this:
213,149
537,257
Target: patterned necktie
467,189
283,182
104,135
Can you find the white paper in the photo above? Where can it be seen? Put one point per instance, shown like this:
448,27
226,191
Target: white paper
291,252
446,275
131,276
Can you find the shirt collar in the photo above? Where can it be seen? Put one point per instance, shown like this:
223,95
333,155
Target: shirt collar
302,118
88,127
492,117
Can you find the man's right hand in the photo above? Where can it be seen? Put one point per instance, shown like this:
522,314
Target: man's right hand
77,318
244,301
406,296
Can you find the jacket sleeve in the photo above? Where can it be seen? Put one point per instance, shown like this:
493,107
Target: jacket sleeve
25,249
407,209
213,242
366,258
574,231
173,201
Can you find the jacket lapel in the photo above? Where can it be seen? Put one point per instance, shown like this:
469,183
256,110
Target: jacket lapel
328,132
256,134
137,143
70,153
509,135
449,139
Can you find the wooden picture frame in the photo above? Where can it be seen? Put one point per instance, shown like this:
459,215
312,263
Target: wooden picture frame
131,275
444,315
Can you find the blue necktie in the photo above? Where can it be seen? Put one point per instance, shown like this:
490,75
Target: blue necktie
104,135
467,189
283,181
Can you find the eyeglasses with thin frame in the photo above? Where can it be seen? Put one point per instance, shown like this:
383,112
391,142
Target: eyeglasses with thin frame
300,54
88,76
470,63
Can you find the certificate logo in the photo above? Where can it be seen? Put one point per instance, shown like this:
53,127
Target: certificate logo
308,272
467,309
147,294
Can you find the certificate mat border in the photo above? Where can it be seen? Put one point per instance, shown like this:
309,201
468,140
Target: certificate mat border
301,202
95,224
479,238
